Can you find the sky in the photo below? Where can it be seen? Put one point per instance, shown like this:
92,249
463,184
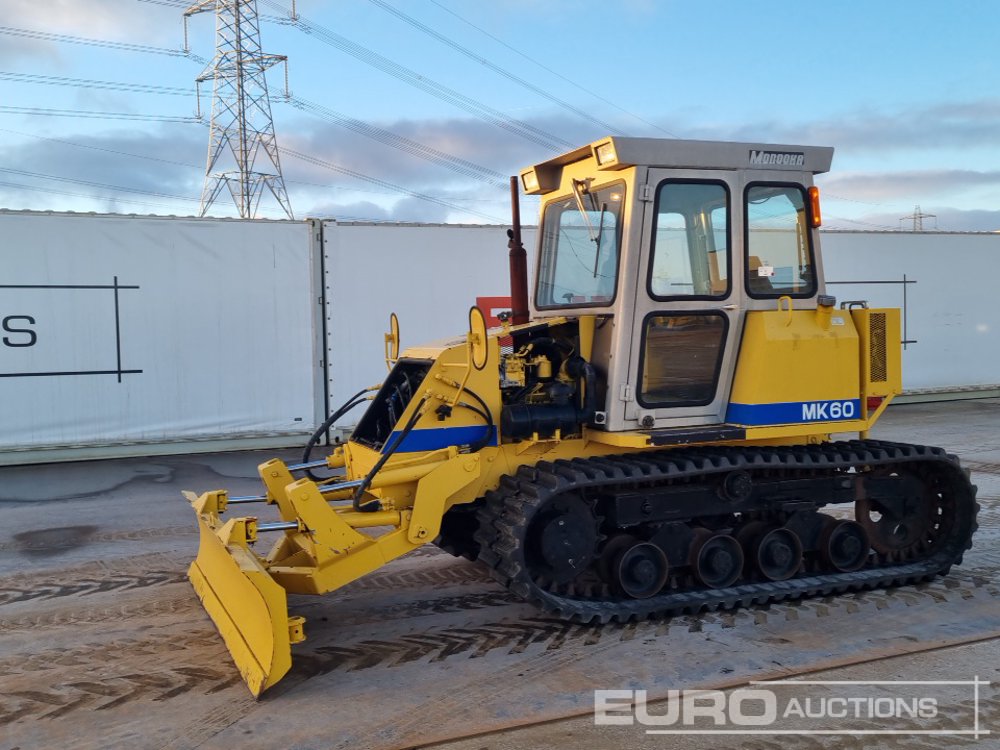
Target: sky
417,110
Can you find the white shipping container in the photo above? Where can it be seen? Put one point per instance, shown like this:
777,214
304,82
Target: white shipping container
943,282
429,275
142,330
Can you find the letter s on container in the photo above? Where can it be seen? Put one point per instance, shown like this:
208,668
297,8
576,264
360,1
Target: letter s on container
9,321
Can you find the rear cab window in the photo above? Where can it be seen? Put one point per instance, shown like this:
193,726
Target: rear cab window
780,260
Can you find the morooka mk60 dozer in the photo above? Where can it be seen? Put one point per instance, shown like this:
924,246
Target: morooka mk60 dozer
655,436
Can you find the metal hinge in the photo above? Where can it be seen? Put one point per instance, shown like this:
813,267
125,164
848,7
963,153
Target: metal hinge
625,394
645,193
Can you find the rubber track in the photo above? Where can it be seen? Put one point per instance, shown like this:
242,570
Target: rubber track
507,512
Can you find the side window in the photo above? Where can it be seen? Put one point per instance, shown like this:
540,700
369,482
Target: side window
681,356
779,244
690,255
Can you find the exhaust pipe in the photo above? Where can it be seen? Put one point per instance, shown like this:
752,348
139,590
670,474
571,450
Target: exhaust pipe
518,260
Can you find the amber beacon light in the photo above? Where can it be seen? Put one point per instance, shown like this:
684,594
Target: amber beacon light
817,217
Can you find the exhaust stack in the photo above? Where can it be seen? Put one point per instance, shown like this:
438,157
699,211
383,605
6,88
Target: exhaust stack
518,261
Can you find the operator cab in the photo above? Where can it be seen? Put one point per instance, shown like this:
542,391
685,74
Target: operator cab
671,243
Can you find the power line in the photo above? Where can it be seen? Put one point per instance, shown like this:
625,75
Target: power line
492,66
858,221
92,183
411,77
382,183
39,189
99,148
190,165
433,155
90,115
52,80
557,74
106,43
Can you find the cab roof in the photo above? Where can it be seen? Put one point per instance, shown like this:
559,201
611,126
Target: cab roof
619,152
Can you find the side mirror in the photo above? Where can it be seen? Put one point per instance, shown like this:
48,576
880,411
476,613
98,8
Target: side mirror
478,342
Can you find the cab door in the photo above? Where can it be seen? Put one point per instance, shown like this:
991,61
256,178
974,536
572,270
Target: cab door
687,320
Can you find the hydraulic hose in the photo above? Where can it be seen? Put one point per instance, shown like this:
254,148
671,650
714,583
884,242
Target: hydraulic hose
327,424
486,415
372,506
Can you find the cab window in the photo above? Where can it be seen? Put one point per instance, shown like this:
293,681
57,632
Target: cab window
779,243
680,358
690,255
578,262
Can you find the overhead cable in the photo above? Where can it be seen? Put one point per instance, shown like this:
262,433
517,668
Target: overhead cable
90,115
52,80
411,77
433,155
382,183
106,43
611,129
92,183
556,73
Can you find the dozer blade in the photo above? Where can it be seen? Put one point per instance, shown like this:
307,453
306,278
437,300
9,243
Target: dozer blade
249,609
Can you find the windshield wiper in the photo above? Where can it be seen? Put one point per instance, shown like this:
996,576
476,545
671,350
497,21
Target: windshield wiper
579,188
600,232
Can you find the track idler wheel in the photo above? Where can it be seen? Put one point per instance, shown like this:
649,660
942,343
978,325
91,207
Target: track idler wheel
777,554
640,571
562,539
896,530
716,559
844,545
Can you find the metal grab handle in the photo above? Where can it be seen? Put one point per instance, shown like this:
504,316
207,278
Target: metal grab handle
851,304
788,300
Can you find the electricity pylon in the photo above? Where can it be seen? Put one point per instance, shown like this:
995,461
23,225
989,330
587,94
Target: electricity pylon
242,149
918,217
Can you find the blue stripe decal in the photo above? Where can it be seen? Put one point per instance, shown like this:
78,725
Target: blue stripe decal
793,412
441,437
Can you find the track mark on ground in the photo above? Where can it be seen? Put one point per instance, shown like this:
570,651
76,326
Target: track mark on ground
475,641
446,575
65,617
122,652
70,586
986,467
59,699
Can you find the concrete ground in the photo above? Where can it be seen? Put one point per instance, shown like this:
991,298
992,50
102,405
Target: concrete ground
103,644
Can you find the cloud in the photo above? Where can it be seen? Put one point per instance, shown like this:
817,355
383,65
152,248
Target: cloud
471,140
914,184
955,125
115,20
407,209
120,20
171,169
14,49
318,191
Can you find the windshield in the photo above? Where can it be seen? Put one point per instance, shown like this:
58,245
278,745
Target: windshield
578,264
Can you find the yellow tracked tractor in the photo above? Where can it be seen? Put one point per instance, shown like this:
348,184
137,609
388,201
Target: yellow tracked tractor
656,440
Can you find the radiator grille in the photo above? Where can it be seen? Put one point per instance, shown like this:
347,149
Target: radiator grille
877,348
